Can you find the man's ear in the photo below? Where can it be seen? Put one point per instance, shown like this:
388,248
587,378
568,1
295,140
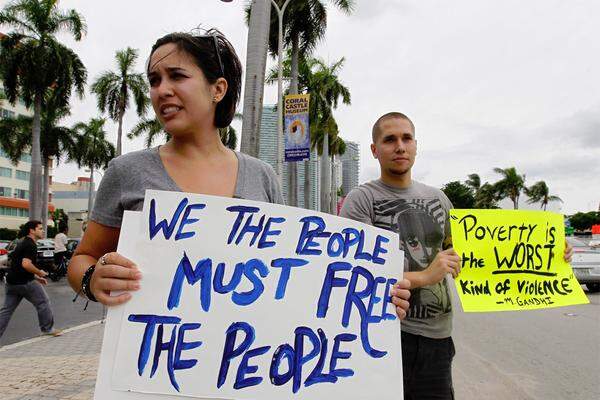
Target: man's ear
374,150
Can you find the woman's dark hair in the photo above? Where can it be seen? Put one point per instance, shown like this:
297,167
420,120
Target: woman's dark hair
27,226
63,228
202,50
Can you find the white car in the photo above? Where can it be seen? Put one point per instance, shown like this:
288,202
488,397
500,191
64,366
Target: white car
586,264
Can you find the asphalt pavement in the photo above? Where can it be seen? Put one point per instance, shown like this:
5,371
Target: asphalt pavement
67,313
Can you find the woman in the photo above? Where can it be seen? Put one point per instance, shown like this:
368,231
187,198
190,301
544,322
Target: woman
195,84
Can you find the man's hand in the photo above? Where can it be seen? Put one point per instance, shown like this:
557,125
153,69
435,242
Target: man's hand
41,280
568,252
445,262
42,274
400,294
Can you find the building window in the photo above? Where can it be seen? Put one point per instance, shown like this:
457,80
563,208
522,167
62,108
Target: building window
26,158
22,175
6,192
21,194
14,212
7,172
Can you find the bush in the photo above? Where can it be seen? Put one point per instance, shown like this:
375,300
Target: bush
8,234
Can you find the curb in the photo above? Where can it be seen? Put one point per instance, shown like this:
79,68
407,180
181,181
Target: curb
42,338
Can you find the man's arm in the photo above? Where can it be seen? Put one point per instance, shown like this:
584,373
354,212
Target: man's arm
27,264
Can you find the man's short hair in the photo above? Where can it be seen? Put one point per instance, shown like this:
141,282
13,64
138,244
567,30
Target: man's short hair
385,117
27,226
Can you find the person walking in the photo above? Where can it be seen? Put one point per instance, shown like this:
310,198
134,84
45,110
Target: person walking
25,280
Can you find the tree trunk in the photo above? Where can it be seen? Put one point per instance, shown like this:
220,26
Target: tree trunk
307,176
292,166
35,174
325,177
120,131
333,188
91,193
45,195
256,61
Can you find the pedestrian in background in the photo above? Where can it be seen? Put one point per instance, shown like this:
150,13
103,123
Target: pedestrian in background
25,280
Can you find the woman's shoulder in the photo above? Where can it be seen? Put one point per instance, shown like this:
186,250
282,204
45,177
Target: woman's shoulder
254,165
136,158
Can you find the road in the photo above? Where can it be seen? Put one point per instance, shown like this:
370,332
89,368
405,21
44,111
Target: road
551,354
24,323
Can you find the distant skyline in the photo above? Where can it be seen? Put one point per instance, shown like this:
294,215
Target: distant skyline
487,83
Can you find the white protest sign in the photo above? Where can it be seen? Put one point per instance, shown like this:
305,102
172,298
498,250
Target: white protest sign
247,300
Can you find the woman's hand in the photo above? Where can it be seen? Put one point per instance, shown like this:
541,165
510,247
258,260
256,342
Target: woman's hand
114,273
400,295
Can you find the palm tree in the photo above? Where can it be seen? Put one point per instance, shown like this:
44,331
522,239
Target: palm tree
326,90
486,195
539,193
152,128
56,141
474,182
257,18
510,185
304,24
114,90
94,151
33,61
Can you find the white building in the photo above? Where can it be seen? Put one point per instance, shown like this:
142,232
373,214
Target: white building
72,198
14,179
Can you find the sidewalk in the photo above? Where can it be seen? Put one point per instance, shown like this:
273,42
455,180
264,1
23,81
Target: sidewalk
49,368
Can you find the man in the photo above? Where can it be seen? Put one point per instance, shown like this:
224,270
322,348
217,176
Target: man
419,213
25,280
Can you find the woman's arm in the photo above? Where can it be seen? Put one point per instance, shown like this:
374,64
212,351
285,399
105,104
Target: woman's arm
118,273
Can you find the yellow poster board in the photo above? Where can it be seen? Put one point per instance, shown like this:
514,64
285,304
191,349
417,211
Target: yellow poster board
512,260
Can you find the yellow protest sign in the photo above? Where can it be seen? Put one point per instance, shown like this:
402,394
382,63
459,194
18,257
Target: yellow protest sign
512,260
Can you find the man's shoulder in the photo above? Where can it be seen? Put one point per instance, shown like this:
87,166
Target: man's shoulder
427,189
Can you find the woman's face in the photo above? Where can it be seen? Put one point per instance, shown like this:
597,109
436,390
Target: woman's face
181,96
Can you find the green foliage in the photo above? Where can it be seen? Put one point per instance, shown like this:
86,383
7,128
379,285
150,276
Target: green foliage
584,221
539,193
459,194
8,234
511,185
93,150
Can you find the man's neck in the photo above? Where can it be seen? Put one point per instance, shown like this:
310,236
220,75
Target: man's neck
398,181
32,237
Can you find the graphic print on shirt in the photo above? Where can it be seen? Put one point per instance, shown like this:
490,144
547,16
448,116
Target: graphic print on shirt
420,224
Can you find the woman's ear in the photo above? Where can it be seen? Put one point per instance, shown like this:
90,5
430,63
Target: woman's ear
219,90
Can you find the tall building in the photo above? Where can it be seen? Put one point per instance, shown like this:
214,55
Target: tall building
14,179
350,167
267,153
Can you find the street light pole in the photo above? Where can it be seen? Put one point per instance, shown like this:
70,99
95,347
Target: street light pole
279,169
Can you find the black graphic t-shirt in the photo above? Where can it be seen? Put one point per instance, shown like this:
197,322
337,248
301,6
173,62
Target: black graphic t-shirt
419,214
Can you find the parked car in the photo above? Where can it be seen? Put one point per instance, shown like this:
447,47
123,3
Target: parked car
3,258
586,264
45,253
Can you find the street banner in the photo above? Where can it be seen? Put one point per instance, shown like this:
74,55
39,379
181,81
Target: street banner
512,260
248,300
297,127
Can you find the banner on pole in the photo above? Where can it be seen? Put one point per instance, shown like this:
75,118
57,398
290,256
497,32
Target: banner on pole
297,127
512,260
248,300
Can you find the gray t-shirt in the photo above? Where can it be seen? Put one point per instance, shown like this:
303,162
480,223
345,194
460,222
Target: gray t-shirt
125,182
419,214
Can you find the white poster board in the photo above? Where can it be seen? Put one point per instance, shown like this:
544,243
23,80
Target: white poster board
249,300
